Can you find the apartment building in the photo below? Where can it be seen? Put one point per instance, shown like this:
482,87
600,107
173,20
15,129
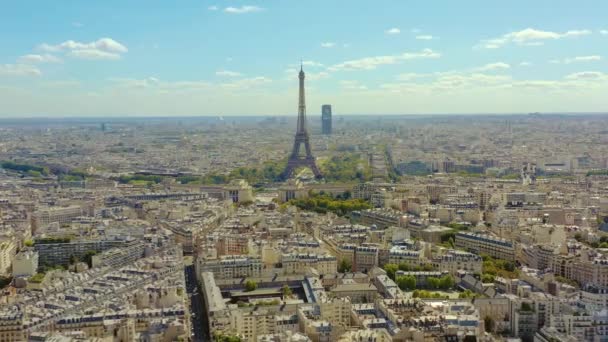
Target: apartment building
61,215
8,249
400,254
60,253
366,258
485,244
298,263
455,260
232,266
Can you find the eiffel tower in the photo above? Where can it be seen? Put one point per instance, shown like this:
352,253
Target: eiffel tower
295,160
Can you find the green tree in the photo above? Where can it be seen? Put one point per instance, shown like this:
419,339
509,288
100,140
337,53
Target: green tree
391,269
345,266
446,282
250,285
509,266
433,282
404,267
407,282
427,267
286,291
221,337
487,278
467,294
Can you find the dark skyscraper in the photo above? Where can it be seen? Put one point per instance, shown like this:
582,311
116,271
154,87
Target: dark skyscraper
326,119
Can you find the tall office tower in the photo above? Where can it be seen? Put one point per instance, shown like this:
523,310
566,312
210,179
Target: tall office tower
326,119
302,138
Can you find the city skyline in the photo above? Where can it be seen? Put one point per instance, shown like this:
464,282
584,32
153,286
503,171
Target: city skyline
211,57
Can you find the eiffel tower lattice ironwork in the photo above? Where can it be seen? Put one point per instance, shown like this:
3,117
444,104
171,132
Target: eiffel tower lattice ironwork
295,160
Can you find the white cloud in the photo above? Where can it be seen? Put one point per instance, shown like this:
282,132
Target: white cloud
447,82
213,8
313,76
227,73
312,64
77,24
92,54
243,9
393,30
523,64
104,44
247,83
45,58
577,59
494,66
425,37
529,37
61,84
587,76
155,83
411,76
586,58
104,48
328,45
352,85
370,63
19,70
604,32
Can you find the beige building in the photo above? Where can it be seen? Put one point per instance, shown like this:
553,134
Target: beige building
485,244
61,215
455,260
232,266
293,189
298,263
25,263
356,292
398,255
238,191
11,327
7,254
366,258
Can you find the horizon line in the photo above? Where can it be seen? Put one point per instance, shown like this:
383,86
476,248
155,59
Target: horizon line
168,116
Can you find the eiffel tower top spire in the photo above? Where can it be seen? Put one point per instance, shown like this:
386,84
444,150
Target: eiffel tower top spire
301,103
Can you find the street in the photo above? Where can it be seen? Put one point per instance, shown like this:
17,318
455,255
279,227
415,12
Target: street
197,308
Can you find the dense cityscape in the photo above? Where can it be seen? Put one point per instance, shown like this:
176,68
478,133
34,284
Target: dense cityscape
303,171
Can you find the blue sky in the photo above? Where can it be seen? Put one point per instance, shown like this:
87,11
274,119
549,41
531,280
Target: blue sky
186,57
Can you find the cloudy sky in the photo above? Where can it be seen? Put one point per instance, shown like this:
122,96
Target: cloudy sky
232,57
